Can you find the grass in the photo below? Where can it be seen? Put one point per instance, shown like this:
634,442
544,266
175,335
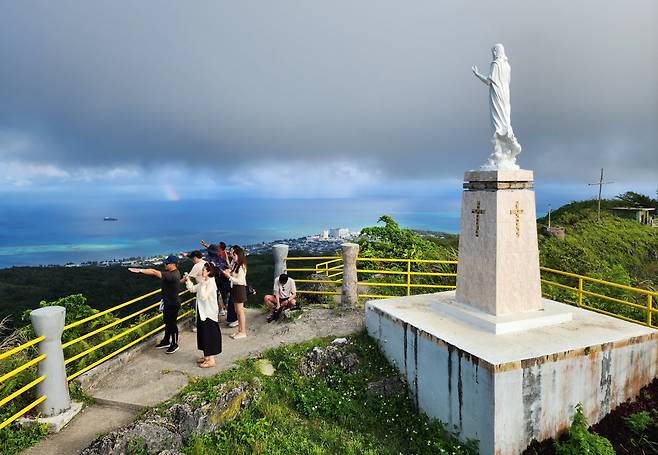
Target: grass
334,414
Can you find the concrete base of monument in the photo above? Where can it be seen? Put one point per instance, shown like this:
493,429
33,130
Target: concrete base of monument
505,390
552,313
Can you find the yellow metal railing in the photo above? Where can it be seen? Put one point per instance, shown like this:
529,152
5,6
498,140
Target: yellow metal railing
116,337
581,293
81,368
26,387
408,274
331,268
585,289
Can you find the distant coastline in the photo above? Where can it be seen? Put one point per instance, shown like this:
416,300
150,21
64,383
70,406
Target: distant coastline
311,245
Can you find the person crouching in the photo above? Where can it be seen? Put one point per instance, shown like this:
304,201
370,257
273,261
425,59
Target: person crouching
283,298
208,335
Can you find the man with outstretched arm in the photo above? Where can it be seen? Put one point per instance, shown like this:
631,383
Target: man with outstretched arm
170,279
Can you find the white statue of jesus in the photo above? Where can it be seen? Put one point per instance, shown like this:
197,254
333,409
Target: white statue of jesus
505,145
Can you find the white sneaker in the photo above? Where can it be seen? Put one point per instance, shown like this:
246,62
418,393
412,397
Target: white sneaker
222,313
194,329
233,324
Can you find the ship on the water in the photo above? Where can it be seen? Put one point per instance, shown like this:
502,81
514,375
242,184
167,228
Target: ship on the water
109,218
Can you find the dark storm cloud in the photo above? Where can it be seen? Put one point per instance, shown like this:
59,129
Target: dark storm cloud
112,84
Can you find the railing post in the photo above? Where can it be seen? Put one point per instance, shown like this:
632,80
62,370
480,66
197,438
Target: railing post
649,308
280,252
349,288
580,291
409,277
49,322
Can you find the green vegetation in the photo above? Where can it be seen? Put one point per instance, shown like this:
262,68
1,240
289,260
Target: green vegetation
643,426
616,249
392,241
579,440
632,199
331,414
13,439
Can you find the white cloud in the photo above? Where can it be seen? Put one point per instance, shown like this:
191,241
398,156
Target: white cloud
340,179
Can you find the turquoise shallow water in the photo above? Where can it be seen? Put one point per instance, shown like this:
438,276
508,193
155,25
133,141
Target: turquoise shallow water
61,232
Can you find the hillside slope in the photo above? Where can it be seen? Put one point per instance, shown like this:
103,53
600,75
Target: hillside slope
615,249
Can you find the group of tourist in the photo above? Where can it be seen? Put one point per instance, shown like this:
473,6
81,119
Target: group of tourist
219,281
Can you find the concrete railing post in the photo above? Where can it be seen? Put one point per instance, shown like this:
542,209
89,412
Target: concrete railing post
49,322
349,293
280,252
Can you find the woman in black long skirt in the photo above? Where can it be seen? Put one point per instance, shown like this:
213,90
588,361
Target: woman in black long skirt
208,335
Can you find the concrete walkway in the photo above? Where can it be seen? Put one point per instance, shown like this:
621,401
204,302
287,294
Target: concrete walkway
152,376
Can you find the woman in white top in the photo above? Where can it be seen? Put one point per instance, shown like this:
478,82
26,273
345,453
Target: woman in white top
209,337
238,276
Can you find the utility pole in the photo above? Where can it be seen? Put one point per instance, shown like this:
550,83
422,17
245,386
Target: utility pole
600,183
549,216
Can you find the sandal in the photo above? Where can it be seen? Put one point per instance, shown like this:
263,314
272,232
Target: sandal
206,365
200,360
239,335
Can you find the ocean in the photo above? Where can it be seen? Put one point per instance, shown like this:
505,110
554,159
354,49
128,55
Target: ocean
61,231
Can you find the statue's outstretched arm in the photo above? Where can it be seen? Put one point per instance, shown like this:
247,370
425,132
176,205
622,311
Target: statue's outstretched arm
485,80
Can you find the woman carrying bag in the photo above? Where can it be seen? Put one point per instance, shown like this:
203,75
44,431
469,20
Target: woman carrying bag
208,335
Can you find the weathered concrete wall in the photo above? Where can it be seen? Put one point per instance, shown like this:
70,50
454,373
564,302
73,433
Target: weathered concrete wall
447,383
506,405
540,394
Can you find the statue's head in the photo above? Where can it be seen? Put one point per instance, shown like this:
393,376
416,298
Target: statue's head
498,51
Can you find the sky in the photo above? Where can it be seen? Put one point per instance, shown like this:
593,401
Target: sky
180,100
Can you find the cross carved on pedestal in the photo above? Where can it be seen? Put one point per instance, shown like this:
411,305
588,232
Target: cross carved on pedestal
477,211
516,212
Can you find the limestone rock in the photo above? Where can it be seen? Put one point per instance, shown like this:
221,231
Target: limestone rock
265,367
232,400
153,435
164,435
317,362
386,387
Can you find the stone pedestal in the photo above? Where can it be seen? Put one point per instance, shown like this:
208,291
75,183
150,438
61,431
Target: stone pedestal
349,289
280,252
49,322
498,269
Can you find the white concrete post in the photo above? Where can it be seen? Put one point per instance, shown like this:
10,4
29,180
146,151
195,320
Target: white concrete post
280,252
349,290
49,322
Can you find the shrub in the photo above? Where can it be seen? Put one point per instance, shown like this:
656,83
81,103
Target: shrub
579,440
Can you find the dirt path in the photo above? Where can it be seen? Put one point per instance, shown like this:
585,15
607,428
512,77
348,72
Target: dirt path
152,376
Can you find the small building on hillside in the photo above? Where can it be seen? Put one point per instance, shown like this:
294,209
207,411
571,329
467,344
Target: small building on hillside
643,215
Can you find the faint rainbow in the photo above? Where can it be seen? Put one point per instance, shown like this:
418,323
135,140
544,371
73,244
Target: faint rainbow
170,193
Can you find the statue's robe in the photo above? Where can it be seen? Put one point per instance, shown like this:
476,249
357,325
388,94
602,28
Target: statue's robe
499,98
